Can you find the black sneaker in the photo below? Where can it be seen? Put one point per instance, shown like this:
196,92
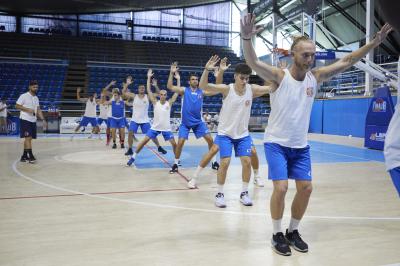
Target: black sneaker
279,244
24,159
161,150
114,146
129,152
295,241
174,169
215,165
122,146
32,159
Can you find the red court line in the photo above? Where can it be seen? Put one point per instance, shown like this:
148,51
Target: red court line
95,193
167,163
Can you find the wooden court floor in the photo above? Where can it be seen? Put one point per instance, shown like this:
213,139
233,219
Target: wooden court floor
80,205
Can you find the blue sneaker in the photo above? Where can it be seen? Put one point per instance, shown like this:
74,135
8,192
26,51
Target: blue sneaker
130,162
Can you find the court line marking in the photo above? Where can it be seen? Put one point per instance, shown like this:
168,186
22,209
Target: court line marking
95,193
166,206
167,163
345,155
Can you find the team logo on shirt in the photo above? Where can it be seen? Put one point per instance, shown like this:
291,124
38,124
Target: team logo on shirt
310,91
247,103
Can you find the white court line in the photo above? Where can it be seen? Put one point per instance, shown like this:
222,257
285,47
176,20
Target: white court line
165,206
345,155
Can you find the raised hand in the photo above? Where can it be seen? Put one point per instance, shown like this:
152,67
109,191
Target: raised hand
129,80
216,71
223,64
382,34
113,82
248,27
211,64
174,67
150,73
177,76
154,82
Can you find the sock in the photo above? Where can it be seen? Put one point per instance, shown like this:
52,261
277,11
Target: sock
214,159
220,188
294,225
134,155
30,153
114,141
197,172
255,172
276,226
245,186
176,161
108,137
25,153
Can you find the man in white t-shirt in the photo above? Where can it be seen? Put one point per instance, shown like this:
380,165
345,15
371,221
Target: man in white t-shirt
28,104
285,140
233,129
161,122
392,142
3,116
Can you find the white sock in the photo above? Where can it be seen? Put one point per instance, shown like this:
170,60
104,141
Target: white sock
220,188
245,187
276,226
214,159
255,172
176,161
134,155
197,172
294,225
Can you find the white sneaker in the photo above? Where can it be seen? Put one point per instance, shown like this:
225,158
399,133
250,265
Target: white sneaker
258,181
192,183
220,200
245,199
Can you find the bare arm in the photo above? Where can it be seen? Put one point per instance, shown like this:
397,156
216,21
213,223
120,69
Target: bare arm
170,84
155,85
173,98
125,93
248,30
25,109
327,72
112,83
148,87
261,90
78,95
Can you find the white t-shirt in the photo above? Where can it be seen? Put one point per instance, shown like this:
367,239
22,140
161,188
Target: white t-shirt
90,110
291,106
392,140
31,102
104,108
162,113
4,112
140,107
235,113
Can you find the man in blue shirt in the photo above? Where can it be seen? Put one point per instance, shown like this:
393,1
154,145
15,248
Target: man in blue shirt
191,113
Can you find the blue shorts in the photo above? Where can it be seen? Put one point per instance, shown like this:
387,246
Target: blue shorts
117,123
242,146
284,162
395,174
27,129
199,130
153,134
86,120
101,120
133,126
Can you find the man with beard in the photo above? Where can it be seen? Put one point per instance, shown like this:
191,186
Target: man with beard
285,139
28,104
